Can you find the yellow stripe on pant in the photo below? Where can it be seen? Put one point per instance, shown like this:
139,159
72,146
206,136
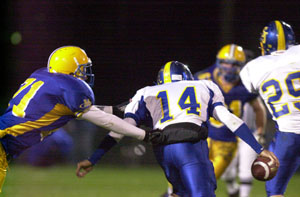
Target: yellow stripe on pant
3,166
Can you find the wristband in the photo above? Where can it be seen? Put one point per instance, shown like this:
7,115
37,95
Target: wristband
106,144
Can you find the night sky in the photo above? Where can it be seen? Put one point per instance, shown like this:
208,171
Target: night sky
128,41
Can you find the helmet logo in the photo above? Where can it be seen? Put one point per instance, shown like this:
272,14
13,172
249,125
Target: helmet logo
264,35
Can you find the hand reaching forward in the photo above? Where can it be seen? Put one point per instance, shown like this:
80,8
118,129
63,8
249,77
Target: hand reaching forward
83,168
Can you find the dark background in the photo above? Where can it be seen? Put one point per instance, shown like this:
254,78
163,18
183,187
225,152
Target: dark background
128,41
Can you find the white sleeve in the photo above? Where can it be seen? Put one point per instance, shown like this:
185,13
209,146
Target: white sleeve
113,123
222,114
246,79
118,136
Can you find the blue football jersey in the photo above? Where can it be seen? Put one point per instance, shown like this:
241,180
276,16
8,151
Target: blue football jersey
44,102
235,99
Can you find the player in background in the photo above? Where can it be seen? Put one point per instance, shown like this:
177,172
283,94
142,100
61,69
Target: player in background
240,166
225,73
180,108
275,75
48,99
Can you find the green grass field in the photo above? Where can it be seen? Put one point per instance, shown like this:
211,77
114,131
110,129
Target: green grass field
103,181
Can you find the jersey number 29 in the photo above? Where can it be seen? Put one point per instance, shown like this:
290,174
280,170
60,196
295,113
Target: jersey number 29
290,82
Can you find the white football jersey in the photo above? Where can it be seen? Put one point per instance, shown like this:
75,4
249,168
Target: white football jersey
276,78
177,102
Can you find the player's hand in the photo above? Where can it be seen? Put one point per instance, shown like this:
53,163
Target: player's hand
83,168
154,137
270,155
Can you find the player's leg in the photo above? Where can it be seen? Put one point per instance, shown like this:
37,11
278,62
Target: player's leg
3,166
246,158
196,169
229,176
221,154
286,147
164,157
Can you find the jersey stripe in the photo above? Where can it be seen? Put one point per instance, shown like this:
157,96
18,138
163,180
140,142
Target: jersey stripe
281,36
167,72
57,112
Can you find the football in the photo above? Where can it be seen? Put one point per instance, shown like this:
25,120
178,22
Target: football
263,168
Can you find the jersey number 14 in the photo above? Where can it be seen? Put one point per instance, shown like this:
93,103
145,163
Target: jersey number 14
187,100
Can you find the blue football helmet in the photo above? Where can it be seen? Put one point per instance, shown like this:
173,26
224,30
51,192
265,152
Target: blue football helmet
174,71
277,35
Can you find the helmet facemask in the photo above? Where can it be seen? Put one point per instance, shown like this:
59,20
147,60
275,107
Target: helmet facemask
229,70
84,72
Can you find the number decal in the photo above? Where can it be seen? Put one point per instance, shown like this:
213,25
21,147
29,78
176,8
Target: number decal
19,110
188,100
291,81
165,106
235,106
293,88
274,98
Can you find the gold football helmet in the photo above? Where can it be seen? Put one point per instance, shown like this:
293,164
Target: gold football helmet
233,55
71,60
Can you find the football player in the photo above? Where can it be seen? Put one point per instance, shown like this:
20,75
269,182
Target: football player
275,75
225,73
180,107
240,166
48,99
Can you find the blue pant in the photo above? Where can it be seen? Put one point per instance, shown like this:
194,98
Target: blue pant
286,147
188,168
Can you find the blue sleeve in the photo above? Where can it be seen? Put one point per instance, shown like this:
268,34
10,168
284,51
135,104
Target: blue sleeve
78,97
245,134
140,114
107,143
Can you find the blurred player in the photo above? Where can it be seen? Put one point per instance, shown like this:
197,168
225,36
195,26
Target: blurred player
180,107
276,77
225,73
48,99
241,165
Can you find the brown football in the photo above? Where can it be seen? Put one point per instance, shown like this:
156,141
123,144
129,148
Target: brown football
263,168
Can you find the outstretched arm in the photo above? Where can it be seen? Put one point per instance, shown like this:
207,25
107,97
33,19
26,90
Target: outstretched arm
109,141
113,123
239,128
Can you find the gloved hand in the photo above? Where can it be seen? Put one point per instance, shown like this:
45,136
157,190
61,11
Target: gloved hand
154,137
